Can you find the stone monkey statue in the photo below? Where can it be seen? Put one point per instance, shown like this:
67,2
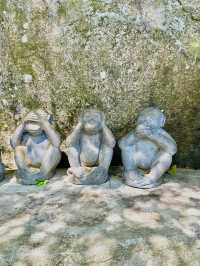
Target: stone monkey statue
150,148
2,170
90,149
36,145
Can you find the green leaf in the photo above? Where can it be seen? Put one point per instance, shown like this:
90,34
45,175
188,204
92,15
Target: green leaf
41,182
172,170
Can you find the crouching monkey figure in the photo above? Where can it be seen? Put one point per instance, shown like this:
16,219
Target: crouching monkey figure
36,145
147,152
90,149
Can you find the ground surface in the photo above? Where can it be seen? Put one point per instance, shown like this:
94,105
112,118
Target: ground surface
112,224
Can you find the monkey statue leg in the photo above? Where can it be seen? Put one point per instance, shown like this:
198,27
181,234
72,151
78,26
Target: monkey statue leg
88,176
21,160
20,157
23,166
2,171
81,174
73,156
50,161
159,167
129,160
97,176
75,172
48,165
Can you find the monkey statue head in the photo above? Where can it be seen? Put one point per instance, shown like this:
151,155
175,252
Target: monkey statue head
152,117
92,121
32,122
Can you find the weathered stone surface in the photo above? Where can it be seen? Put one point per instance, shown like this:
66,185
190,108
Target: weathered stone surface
36,145
117,56
147,152
66,224
90,149
2,170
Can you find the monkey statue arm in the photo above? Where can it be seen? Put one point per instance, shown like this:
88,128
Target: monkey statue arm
74,138
166,142
127,140
72,144
108,137
106,150
50,132
16,139
160,137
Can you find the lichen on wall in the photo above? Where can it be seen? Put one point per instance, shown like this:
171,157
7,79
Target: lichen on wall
119,56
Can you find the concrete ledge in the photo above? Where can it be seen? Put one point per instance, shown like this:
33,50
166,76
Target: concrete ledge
112,224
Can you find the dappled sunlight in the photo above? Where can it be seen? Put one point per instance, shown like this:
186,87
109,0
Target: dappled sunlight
114,218
159,242
142,219
11,233
97,225
191,212
98,251
37,238
36,256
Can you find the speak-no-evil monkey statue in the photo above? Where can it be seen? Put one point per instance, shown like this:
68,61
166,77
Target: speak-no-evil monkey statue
147,152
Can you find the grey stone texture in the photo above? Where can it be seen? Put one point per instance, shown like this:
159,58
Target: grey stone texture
147,152
2,171
65,224
36,147
90,149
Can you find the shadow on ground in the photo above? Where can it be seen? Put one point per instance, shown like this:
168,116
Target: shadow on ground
112,224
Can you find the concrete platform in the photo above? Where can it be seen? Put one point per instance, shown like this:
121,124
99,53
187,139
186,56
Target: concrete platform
108,225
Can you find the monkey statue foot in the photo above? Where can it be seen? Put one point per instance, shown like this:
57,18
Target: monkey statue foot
30,178
137,180
88,175
144,183
2,171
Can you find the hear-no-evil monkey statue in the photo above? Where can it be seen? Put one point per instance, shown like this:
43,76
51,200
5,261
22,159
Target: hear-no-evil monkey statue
36,145
147,152
90,149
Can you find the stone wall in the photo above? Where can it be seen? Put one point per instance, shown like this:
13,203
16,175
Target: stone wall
120,56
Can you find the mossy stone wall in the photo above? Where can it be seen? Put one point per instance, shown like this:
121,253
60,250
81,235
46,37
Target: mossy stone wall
119,56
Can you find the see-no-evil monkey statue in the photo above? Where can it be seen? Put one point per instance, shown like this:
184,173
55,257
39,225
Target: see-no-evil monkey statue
147,152
90,149
36,145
